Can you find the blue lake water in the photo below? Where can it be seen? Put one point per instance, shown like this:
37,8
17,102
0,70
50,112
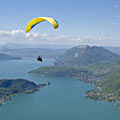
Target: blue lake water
62,100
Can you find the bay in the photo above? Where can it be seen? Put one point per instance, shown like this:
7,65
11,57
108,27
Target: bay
62,100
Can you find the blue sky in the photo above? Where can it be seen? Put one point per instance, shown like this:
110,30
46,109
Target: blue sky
97,19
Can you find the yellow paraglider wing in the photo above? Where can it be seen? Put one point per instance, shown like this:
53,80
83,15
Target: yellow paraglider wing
35,21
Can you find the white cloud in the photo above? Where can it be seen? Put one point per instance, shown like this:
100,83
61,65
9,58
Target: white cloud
115,24
116,6
19,36
102,8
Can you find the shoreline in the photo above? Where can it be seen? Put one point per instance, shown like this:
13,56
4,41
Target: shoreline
6,98
100,95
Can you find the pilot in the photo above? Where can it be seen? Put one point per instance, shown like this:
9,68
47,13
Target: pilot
39,59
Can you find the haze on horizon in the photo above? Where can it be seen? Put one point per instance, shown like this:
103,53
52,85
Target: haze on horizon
82,22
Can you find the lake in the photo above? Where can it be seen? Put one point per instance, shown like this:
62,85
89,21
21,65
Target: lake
62,100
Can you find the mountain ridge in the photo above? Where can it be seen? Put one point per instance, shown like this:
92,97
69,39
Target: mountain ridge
83,55
8,57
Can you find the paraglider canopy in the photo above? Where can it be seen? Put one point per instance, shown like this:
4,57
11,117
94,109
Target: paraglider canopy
37,20
39,59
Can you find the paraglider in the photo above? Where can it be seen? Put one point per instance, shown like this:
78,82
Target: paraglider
37,20
39,58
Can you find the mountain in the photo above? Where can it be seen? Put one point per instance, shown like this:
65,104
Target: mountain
84,55
114,49
7,57
81,61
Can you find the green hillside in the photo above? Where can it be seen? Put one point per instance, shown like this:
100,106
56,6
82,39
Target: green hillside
15,86
108,87
63,71
111,82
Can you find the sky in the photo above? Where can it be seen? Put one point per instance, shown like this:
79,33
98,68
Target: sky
91,22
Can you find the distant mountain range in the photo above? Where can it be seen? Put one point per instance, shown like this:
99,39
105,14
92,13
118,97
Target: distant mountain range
34,52
8,57
24,50
20,46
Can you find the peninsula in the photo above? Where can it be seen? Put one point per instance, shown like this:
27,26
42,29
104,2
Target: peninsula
12,87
